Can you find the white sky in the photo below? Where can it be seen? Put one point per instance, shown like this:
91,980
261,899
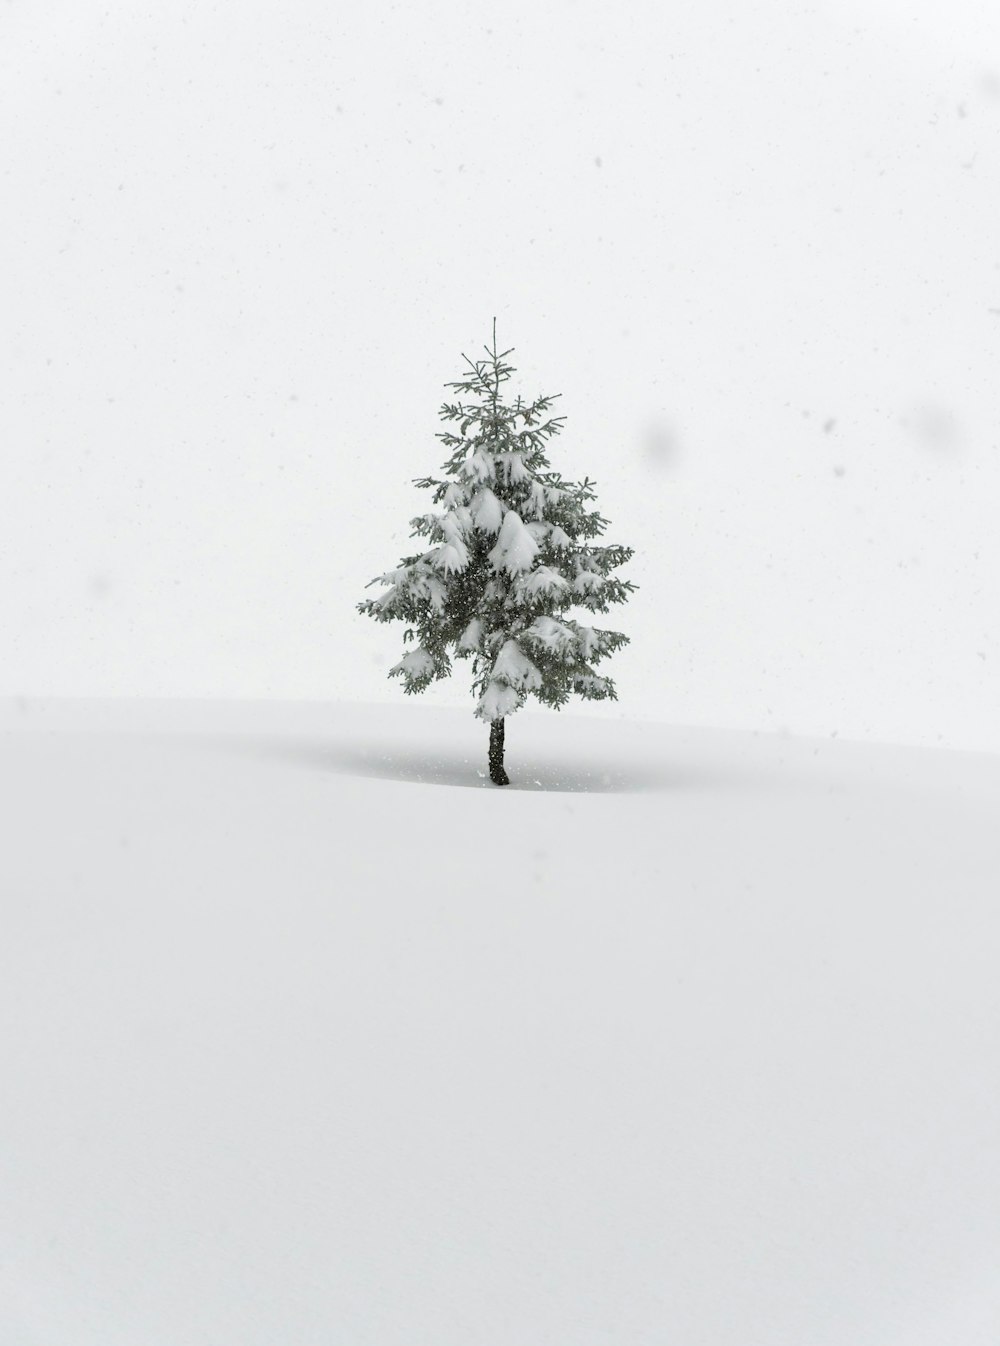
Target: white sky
755,249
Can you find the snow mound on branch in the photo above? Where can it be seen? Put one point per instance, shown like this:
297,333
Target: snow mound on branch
540,530
497,701
550,633
416,664
590,640
392,578
471,636
452,556
536,499
587,581
480,467
513,466
515,547
544,580
591,687
513,667
487,510
513,676
435,592
456,523
419,581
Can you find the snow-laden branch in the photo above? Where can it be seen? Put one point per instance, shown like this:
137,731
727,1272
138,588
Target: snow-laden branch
515,548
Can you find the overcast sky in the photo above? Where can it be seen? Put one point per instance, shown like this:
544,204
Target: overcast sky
754,247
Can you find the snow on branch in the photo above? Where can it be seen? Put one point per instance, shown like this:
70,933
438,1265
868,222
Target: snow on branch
590,641
515,547
456,523
513,467
418,664
450,557
544,580
593,688
587,581
551,634
486,510
470,637
480,467
411,583
513,667
536,500
497,701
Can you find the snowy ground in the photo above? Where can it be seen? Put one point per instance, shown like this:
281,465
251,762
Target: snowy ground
310,1036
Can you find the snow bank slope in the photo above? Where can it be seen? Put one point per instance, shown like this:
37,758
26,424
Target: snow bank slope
686,1037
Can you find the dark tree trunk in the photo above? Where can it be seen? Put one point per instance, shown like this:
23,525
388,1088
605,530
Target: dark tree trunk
497,774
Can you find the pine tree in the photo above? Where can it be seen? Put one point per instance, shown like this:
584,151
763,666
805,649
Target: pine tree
510,553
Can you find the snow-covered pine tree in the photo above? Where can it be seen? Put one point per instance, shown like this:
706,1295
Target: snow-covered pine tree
510,555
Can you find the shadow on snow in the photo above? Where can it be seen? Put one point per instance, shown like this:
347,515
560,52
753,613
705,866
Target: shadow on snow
421,765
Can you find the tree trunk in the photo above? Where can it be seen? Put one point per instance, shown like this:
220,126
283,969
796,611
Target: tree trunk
497,774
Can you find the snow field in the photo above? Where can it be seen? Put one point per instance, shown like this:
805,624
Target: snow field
311,1035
